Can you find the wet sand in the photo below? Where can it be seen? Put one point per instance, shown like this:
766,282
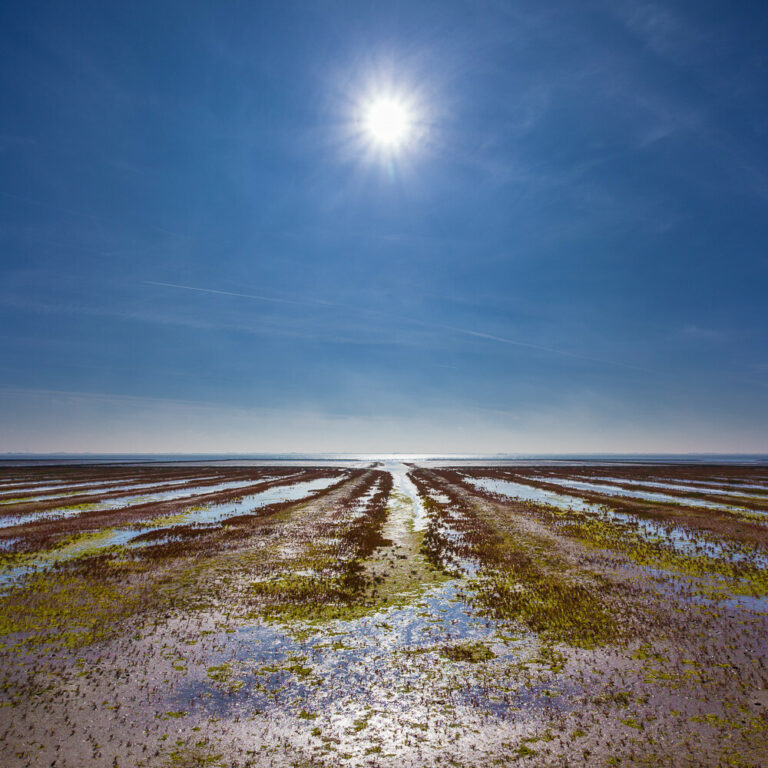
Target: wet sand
384,616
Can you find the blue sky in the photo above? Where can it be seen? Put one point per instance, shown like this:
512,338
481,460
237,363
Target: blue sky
200,251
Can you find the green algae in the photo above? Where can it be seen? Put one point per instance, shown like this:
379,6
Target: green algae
164,521
90,591
197,755
67,610
319,586
520,577
468,652
735,578
557,608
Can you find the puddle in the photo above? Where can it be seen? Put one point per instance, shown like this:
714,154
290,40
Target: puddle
718,490
123,501
612,490
684,541
440,498
11,486
124,536
674,588
105,487
531,493
379,659
723,484
404,485
50,514
214,513
26,494
89,543
762,478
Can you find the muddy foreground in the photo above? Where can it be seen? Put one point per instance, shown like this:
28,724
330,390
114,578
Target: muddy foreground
384,616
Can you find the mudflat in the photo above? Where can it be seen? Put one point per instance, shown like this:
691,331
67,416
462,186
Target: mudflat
385,615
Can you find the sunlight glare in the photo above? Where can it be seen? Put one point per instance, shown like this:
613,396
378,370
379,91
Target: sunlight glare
388,122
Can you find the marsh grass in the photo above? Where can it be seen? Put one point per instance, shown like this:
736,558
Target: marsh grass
68,610
520,578
89,591
335,585
732,577
468,652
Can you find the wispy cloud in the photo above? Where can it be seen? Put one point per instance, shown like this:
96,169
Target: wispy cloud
413,321
698,333
539,347
665,32
276,328
255,297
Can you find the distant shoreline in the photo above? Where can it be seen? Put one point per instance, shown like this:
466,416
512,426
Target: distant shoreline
32,459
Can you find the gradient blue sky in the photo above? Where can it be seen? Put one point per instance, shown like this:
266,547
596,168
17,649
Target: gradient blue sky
199,253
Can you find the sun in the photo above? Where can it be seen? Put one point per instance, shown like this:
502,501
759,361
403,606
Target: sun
388,122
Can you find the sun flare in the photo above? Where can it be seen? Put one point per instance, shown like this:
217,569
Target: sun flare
388,122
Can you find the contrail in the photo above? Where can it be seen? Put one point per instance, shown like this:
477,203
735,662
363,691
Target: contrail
552,350
412,321
272,299
515,342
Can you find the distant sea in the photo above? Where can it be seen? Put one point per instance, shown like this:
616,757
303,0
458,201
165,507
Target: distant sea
362,459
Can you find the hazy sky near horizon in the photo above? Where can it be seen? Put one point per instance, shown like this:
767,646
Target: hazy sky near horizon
202,250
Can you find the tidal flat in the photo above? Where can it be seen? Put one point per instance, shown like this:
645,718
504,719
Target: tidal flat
386,614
